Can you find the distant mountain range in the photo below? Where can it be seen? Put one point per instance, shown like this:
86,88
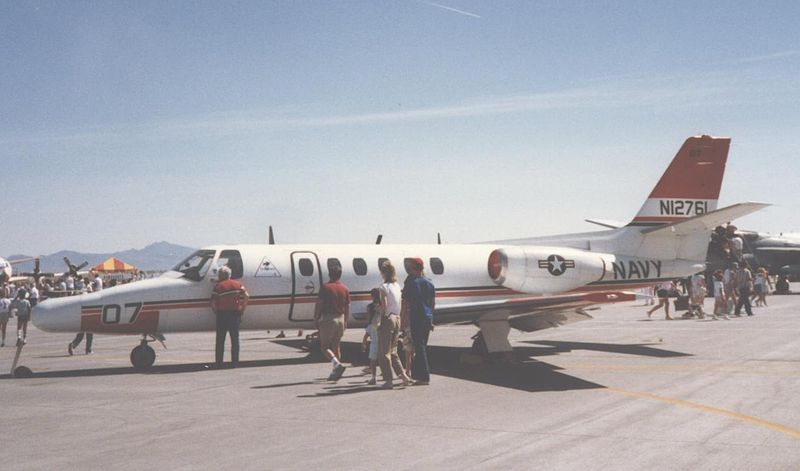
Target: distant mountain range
159,256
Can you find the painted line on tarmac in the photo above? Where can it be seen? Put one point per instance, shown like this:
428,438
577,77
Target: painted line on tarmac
794,433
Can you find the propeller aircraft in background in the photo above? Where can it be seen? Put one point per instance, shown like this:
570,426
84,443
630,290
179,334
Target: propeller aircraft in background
7,275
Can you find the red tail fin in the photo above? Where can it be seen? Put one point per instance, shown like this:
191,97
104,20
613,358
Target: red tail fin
691,184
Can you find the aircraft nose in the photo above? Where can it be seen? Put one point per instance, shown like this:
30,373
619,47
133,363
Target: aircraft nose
58,315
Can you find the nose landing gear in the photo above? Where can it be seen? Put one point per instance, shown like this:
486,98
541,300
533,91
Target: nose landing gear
143,356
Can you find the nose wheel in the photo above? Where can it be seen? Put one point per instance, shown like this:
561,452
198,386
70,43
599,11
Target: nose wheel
143,356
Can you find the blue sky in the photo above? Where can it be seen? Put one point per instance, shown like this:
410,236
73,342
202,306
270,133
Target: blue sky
125,123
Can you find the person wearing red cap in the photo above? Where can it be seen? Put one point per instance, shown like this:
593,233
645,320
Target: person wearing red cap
419,301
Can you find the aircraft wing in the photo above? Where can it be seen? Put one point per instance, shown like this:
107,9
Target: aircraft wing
607,223
530,313
21,260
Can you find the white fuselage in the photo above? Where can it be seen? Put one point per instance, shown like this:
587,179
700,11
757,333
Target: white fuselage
283,282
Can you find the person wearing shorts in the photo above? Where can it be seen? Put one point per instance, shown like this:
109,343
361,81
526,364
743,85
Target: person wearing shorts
22,308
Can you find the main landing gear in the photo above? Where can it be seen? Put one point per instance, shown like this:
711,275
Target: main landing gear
479,354
143,356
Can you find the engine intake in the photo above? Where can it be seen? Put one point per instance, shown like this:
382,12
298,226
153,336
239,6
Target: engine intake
541,270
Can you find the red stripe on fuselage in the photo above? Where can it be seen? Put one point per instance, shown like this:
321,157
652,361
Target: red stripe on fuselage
307,299
147,322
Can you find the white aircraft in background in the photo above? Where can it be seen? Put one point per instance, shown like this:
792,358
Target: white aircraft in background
527,284
6,269
6,274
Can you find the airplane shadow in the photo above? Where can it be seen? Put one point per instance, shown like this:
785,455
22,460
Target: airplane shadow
526,374
638,349
165,369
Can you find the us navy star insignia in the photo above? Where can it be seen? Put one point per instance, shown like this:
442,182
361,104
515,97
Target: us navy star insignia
556,264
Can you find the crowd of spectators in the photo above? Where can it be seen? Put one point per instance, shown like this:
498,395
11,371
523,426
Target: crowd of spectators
730,280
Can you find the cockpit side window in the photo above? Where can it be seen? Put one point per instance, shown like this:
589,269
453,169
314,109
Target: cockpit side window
233,259
196,265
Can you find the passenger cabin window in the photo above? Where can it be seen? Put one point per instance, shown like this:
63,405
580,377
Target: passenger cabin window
360,266
233,259
333,262
306,267
437,267
381,261
196,265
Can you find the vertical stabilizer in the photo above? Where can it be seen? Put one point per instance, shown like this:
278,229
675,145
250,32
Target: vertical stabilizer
690,186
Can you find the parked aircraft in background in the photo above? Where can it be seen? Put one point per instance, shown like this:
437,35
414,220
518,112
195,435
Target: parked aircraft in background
779,253
528,284
7,271
7,275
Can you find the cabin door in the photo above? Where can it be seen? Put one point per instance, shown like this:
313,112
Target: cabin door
306,280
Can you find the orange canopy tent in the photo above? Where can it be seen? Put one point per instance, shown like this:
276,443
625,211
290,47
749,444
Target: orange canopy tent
115,265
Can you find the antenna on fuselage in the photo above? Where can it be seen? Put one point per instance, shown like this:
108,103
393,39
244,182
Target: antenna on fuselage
439,238
379,239
271,236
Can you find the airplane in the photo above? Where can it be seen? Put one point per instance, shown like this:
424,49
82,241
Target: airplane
778,253
6,274
7,271
525,284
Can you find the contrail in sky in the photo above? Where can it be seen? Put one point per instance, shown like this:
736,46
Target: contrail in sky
444,7
767,57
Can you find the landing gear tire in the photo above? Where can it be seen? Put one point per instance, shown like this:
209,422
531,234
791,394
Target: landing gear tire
479,346
143,357
23,372
478,354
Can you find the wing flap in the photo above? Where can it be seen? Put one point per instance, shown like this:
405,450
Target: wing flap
530,313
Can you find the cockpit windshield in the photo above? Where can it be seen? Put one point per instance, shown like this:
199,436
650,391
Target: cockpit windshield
196,265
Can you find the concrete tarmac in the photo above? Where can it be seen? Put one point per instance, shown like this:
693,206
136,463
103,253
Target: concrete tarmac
617,392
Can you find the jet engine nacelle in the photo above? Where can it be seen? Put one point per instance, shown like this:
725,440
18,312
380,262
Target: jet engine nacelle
542,270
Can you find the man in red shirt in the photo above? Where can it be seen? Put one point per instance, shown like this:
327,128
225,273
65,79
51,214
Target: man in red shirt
331,313
228,301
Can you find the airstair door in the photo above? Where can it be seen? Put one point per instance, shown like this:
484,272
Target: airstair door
306,280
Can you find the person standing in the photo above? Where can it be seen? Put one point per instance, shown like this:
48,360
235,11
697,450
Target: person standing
419,301
21,307
33,295
729,278
69,283
374,315
330,314
762,284
228,301
97,285
5,313
97,282
389,329
720,297
697,292
744,282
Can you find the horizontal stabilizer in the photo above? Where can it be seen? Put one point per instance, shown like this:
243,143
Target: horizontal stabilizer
707,222
605,223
